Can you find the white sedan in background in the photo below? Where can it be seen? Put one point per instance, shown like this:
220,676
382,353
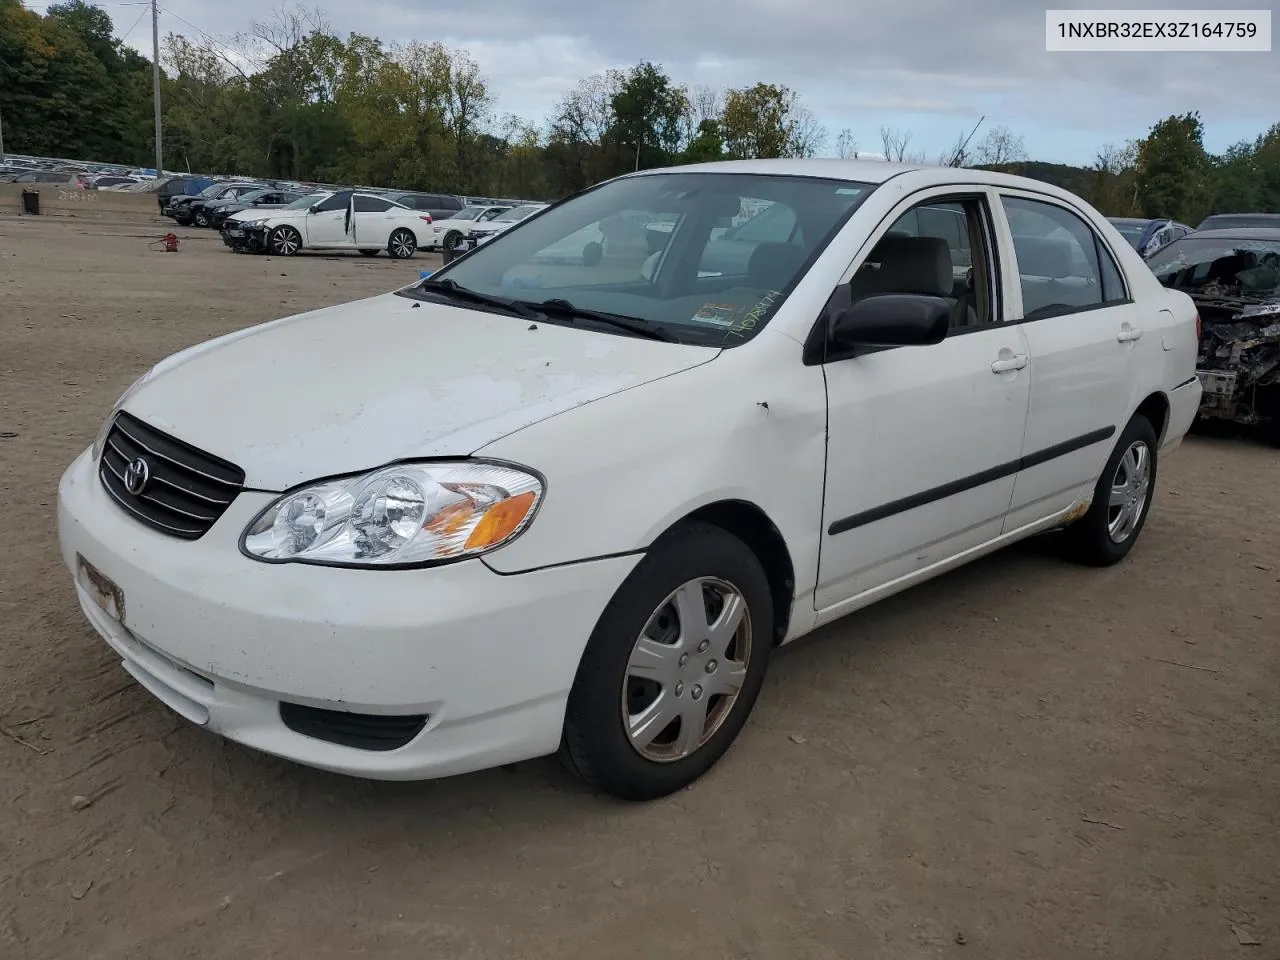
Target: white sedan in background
483,230
531,504
447,234
342,220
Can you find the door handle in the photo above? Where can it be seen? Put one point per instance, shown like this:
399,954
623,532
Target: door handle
1009,364
1128,334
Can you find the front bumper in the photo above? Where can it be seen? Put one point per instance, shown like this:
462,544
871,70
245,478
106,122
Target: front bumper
252,240
225,640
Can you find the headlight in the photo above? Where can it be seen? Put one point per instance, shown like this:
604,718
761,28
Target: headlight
101,438
406,515
246,224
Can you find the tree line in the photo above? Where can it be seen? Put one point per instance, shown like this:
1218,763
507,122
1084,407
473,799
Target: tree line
289,98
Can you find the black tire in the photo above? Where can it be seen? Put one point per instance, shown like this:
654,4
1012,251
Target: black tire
402,244
451,240
595,744
284,241
202,219
182,221
1089,539
371,253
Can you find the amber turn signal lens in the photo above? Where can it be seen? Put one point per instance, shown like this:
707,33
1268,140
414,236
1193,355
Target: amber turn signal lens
500,521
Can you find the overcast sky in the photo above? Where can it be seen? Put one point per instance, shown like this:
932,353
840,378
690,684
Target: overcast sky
930,66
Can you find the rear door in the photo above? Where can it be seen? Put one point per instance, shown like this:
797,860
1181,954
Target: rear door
374,220
1082,330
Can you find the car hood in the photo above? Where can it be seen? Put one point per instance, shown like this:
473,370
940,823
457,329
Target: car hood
279,213
360,385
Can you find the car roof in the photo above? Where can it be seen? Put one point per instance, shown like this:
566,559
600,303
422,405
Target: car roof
1236,233
1130,219
869,171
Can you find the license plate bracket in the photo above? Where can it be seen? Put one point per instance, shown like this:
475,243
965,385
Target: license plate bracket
1217,382
101,589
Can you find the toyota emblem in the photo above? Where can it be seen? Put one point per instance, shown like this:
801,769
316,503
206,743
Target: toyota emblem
136,476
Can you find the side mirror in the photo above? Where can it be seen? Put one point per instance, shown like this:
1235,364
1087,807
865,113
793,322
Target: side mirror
893,320
314,208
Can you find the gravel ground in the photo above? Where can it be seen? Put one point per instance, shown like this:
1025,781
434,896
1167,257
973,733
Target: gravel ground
1020,759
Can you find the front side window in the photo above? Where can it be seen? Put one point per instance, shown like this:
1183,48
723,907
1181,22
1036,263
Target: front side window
337,201
654,248
928,252
1059,260
371,204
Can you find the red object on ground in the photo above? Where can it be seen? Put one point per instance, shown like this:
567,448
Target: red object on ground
170,241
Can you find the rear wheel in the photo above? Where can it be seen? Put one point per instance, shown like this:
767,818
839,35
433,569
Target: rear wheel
285,241
673,667
1121,499
402,245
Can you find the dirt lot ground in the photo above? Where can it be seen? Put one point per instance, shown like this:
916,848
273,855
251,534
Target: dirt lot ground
1022,759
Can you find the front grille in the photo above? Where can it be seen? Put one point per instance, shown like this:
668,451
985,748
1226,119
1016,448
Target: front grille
182,490
363,731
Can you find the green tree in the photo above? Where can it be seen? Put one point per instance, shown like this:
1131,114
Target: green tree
706,146
1173,170
649,111
766,120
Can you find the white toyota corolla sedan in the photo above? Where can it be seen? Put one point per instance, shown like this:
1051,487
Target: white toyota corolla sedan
535,503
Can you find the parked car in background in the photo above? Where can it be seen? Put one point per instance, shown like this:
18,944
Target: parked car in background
343,220
111,180
439,205
183,208
60,178
1220,221
448,234
522,506
240,240
1233,275
1147,236
171,187
481,230
268,198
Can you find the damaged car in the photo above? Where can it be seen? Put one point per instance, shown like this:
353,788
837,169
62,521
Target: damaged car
1233,275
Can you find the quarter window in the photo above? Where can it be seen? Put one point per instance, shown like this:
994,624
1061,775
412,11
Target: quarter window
1063,267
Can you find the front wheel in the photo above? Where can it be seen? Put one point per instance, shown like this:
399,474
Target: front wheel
202,219
1121,499
402,245
285,240
673,667
452,240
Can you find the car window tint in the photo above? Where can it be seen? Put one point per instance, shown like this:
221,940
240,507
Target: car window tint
371,205
1057,254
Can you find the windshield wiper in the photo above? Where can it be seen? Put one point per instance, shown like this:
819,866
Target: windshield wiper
450,288
558,306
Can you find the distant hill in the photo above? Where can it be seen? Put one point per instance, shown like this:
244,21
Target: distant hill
1075,179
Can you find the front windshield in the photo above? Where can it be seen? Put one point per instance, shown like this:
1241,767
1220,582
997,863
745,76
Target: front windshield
252,195
305,201
468,213
1225,267
662,248
213,190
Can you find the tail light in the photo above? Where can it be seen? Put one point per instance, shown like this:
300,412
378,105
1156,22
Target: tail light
425,216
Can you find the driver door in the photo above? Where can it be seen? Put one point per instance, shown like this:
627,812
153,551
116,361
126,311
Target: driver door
923,442
329,225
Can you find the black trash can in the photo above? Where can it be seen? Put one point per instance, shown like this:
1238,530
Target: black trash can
31,202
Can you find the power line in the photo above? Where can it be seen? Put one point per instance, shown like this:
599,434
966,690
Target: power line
125,35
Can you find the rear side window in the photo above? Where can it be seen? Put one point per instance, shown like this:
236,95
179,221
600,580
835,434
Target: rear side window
1063,267
371,205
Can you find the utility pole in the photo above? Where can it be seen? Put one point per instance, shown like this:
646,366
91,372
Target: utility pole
155,73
